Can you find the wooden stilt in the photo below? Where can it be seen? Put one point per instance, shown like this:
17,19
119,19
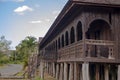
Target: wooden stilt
57,72
53,69
97,73
76,71
118,72
85,71
61,71
71,74
65,71
41,70
106,72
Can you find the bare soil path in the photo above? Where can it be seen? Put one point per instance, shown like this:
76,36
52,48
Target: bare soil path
10,69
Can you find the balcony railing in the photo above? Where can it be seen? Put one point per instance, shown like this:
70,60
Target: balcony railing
94,48
74,50
100,48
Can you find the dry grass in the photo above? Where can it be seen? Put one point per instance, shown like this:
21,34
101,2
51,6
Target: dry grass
48,77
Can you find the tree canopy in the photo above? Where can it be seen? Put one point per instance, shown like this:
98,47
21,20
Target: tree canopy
25,48
4,47
4,44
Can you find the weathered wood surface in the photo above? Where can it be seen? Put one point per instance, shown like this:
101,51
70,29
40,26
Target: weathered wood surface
116,2
98,46
32,66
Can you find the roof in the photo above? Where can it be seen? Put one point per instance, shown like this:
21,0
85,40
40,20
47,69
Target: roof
111,2
69,5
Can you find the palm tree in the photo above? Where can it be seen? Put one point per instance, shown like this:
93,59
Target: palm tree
27,47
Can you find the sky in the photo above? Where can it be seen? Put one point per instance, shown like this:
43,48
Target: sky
21,18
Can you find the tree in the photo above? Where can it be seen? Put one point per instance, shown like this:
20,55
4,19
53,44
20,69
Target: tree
26,48
4,47
4,44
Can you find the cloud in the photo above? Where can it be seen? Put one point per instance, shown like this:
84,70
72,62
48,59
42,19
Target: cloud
34,22
22,9
55,12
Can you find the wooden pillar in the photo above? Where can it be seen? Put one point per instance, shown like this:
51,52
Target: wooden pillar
50,68
75,34
76,71
61,71
65,71
85,71
57,71
80,72
118,72
45,65
89,50
41,70
84,39
106,72
98,51
97,73
47,68
53,69
71,74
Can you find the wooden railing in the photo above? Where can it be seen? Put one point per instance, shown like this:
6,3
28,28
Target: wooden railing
94,48
100,48
74,50
99,42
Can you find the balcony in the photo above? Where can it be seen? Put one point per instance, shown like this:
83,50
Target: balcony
93,49
99,48
74,50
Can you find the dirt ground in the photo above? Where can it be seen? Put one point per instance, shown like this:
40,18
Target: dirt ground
48,77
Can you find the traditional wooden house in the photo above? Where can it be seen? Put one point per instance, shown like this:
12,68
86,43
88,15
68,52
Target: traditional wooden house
84,42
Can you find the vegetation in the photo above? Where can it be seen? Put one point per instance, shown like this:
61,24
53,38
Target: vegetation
38,78
4,50
24,49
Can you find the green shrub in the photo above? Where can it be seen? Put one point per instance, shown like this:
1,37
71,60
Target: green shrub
4,60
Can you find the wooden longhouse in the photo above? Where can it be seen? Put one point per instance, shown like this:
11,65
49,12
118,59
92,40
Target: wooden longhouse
84,42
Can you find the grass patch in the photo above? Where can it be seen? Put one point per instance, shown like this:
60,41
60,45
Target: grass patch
19,73
38,78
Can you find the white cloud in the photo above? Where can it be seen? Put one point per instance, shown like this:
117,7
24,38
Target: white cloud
22,9
34,22
55,12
